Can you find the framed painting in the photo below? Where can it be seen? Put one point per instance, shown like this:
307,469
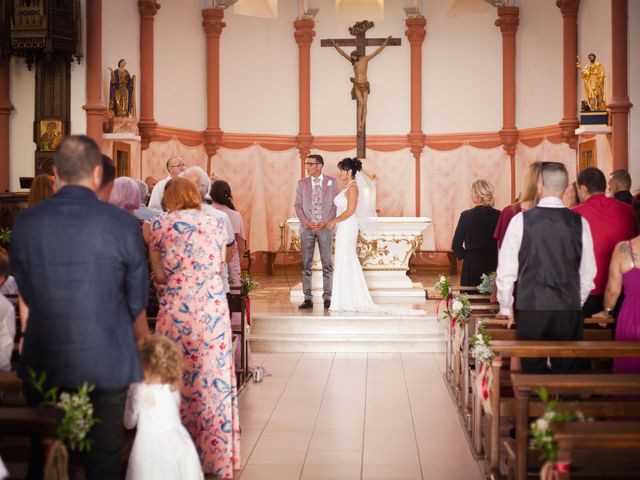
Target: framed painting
49,134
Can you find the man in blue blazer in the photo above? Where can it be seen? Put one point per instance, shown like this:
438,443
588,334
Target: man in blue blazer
81,270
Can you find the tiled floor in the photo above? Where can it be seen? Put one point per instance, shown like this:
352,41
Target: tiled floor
352,416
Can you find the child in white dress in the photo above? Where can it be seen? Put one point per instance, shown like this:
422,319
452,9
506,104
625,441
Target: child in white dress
162,447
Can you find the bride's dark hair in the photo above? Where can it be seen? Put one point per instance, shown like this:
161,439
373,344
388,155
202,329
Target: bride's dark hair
352,165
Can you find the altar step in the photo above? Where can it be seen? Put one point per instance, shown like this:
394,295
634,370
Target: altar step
345,333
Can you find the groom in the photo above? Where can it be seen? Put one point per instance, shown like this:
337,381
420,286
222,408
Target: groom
314,208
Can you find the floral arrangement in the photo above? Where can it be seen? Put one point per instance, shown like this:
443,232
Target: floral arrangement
78,411
487,281
543,436
248,284
442,286
484,356
459,310
5,236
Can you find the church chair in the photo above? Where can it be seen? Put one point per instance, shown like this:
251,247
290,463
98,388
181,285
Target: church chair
237,304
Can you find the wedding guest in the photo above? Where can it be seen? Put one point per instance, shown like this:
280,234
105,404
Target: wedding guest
620,186
473,242
187,248
223,200
200,178
611,222
175,166
624,275
8,285
80,267
143,212
150,182
571,197
527,199
42,187
7,332
552,243
108,177
162,446
125,194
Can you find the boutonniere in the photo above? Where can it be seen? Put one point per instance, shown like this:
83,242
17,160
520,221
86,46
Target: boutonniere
329,182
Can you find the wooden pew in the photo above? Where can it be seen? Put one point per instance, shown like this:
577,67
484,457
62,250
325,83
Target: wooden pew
538,349
526,385
599,436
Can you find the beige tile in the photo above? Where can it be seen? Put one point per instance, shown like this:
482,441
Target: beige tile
331,471
271,472
333,456
400,471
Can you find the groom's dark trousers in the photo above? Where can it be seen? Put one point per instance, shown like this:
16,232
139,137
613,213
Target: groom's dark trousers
308,239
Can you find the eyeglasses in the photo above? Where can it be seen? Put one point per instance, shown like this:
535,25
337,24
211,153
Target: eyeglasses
308,164
180,165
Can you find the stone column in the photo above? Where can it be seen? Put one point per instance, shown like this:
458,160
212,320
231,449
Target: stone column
304,34
5,113
619,104
94,107
147,124
212,24
416,32
569,122
508,22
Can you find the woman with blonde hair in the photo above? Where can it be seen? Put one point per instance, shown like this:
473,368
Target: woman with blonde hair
527,199
473,242
186,250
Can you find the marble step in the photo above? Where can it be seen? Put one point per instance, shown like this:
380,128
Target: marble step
347,343
360,324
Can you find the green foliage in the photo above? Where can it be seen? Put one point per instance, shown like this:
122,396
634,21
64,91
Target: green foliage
479,344
459,309
487,281
541,428
442,286
78,411
248,284
5,235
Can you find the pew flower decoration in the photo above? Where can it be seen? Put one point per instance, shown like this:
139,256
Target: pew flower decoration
247,284
77,418
459,310
487,281
484,356
543,436
442,286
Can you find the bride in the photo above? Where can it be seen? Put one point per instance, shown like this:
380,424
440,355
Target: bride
350,292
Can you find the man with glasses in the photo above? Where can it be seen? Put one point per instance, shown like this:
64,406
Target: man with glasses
175,166
548,249
315,208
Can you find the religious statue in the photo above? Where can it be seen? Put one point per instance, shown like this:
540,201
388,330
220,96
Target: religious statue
360,90
594,88
122,101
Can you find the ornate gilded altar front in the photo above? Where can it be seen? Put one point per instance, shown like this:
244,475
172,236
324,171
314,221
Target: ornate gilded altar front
384,255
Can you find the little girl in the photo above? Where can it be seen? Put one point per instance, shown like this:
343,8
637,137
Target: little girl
162,447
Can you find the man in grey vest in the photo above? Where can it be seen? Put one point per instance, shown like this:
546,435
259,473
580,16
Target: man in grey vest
549,251
314,208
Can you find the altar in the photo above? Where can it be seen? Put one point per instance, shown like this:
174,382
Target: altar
384,254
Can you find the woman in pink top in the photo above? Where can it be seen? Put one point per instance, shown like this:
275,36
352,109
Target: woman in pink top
223,200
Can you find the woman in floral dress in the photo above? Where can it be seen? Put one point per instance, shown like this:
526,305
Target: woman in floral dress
186,253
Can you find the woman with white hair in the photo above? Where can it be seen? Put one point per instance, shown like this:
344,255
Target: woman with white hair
473,242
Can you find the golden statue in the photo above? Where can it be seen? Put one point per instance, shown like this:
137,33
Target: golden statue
122,92
594,88
360,90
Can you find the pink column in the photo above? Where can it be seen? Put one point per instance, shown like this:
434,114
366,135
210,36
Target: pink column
5,112
619,104
146,124
416,32
508,22
304,34
569,122
212,24
94,107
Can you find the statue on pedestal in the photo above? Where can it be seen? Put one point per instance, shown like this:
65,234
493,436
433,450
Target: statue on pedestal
594,87
122,99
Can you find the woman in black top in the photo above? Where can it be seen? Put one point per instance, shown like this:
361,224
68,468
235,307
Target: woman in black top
473,241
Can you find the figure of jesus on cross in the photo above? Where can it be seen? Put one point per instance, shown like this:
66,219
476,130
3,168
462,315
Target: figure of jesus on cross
359,60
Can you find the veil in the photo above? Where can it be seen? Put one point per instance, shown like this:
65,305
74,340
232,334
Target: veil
365,210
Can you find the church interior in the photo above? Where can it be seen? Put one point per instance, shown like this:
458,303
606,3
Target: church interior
459,91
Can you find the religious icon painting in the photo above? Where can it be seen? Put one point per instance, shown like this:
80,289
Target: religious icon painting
49,134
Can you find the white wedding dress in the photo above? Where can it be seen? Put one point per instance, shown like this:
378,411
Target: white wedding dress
350,292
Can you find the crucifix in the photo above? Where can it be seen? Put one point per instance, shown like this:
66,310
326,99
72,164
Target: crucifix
359,60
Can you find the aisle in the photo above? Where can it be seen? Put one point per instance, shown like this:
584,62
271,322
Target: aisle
352,416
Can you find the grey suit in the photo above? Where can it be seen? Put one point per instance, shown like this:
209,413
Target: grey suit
324,237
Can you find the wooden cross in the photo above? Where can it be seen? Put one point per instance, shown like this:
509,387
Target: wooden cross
360,42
